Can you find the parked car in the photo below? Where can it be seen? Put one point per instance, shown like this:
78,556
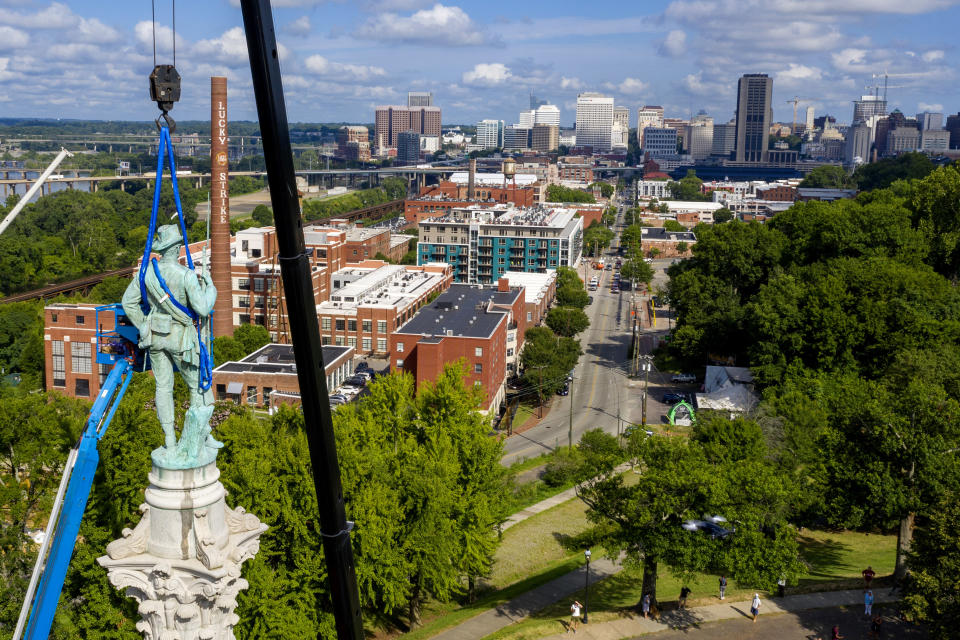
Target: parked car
348,392
683,378
366,375
673,398
337,400
564,390
356,381
609,267
629,431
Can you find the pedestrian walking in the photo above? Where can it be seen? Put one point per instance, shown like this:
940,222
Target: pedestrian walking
575,609
836,633
868,602
684,592
723,587
868,574
755,606
876,627
646,605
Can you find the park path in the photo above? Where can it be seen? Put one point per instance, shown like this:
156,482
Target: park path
694,616
541,597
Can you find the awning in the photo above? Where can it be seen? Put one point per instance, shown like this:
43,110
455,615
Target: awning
235,388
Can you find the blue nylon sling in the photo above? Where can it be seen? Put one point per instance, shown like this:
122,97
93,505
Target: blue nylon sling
165,147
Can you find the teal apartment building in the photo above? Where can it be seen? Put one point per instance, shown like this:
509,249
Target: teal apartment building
481,244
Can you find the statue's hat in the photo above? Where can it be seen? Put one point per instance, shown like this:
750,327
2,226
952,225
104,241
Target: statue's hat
167,236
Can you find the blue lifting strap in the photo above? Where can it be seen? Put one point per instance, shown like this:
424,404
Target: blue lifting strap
165,147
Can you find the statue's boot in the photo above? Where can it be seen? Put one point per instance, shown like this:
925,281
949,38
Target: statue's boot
169,438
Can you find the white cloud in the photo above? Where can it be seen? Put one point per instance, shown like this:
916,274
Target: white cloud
11,38
321,66
487,74
299,27
674,45
852,60
934,107
438,25
570,83
144,33
797,74
632,86
695,83
933,55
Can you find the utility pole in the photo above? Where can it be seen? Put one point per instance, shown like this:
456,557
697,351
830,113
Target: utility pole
570,430
646,384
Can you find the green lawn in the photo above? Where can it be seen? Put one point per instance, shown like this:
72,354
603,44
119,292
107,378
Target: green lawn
835,561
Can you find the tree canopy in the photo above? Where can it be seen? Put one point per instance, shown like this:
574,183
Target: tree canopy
559,193
828,176
688,188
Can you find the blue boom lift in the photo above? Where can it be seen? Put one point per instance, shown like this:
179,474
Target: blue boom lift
116,346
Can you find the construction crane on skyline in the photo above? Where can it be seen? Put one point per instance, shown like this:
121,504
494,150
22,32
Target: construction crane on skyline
796,101
886,76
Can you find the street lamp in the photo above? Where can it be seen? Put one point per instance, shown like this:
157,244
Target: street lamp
586,595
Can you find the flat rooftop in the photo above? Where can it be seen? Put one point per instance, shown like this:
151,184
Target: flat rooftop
462,310
493,179
534,285
508,215
659,233
391,285
359,234
278,359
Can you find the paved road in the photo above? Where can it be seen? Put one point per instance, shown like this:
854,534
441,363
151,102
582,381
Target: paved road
601,387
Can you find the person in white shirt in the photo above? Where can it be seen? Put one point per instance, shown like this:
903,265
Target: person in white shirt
755,606
575,615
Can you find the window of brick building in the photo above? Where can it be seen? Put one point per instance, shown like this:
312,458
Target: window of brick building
258,284
53,317
260,320
478,351
266,394
381,344
81,320
251,395
244,318
351,325
80,357
221,392
82,389
244,301
59,364
367,326
340,324
339,341
351,342
381,326
244,283
478,368
399,363
325,324
367,342
399,347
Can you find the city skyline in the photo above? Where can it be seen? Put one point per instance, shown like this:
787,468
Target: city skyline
482,62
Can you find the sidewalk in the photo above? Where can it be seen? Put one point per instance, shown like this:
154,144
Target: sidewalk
530,602
675,619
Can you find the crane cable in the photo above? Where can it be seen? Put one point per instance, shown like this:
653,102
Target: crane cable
173,29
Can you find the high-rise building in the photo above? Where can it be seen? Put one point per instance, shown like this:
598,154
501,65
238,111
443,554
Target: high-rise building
621,115
408,148
419,98
621,128
547,114
953,126
594,121
527,118
390,120
353,143
660,141
868,106
536,102
698,138
545,137
516,137
858,143
927,121
809,120
724,139
490,134
648,116
754,115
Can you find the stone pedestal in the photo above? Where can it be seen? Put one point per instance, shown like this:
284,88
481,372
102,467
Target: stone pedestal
182,560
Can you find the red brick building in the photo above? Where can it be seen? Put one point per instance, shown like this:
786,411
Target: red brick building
467,322
436,201
779,193
70,349
372,299
576,172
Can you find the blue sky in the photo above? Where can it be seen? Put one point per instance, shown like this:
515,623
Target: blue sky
86,59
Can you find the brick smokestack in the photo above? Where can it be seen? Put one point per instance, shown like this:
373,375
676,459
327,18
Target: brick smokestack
219,215
471,178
